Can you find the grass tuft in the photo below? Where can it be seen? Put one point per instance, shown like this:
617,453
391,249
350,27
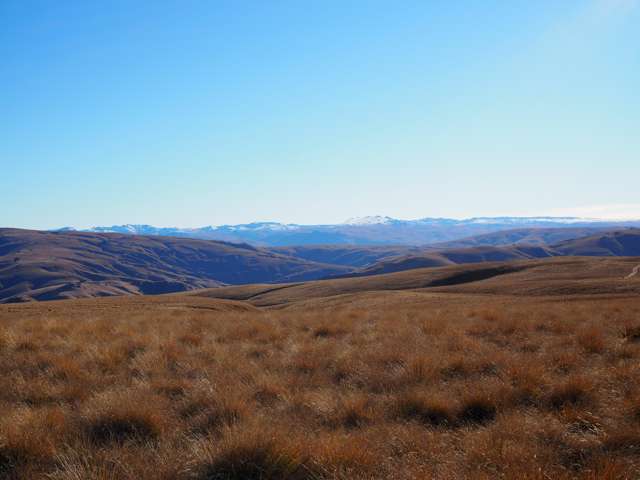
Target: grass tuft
592,340
574,392
631,333
432,411
121,416
352,412
477,409
251,456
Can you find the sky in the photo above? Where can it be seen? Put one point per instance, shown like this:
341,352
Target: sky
192,113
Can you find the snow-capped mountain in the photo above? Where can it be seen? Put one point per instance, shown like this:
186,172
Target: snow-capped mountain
256,226
371,220
370,230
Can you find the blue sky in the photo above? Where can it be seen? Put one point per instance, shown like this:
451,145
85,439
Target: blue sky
193,113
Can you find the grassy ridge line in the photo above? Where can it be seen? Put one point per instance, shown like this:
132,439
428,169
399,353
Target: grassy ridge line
553,276
617,243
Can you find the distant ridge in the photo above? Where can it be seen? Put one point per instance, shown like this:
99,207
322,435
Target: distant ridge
371,230
619,243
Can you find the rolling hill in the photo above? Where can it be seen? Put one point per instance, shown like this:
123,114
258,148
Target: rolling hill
347,255
52,265
618,243
447,253
522,236
454,256
551,276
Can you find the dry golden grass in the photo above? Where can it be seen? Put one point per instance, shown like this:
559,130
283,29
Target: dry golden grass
445,387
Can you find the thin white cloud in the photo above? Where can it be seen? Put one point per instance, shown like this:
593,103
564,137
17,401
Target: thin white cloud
622,211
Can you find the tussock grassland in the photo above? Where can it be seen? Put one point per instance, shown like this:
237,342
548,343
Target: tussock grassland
482,388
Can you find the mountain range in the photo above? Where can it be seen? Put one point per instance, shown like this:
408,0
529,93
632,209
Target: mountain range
372,230
44,265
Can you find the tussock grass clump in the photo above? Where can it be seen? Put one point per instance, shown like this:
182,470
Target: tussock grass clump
252,455
625,441
344,454
5,340
172,387
592,340
633,408
607,468
631,333
269,393
11,459
328,330
120,427
352,412
477,409
124,416
420,369
487,315
574,392
219,413
527,379
30,438
430,410
457,367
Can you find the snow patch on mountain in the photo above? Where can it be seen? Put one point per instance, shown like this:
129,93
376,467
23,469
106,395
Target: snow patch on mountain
370,220
256,226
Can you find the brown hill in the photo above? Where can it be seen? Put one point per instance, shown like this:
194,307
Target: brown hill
454,256
620,243
522,236
51,265
551,276
363,256
347,255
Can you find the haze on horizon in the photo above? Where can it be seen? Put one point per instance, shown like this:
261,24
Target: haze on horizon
192,113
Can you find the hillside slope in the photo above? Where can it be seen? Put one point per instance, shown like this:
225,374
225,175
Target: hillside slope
52,265
620,243
347,255
551,276
515,244
454,256
522,236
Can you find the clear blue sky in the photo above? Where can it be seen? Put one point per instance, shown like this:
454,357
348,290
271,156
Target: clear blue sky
193,113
